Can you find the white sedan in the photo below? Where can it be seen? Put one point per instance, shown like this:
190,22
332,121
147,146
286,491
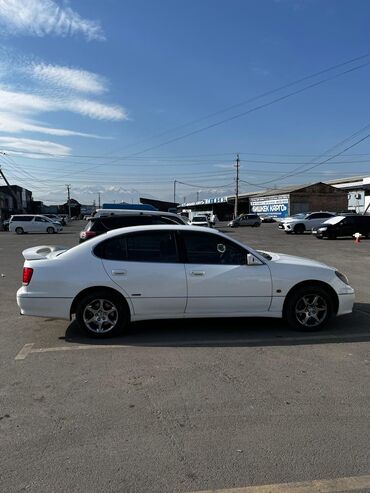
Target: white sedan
165,272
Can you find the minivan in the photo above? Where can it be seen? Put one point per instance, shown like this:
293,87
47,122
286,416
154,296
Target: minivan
33,223
339,226
99,225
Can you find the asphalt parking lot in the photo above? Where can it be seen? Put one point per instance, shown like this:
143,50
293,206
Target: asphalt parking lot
187,406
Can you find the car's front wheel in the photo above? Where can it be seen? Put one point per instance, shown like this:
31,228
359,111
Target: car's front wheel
50,230
299,229
309,308
102,314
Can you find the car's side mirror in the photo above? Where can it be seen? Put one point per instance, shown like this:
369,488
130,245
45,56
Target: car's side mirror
252,260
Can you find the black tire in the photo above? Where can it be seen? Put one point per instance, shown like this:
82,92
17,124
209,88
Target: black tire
301,315
90,304
19,230
332,236
50,230
256,225
299,229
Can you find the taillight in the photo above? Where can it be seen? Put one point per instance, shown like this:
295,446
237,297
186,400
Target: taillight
27,275
85,235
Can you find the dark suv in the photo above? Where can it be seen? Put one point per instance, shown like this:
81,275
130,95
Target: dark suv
99,225
346,225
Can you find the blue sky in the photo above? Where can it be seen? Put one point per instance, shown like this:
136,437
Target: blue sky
87,88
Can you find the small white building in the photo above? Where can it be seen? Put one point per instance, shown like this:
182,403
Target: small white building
358,192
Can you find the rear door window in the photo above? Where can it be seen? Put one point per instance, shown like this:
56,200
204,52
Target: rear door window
148,246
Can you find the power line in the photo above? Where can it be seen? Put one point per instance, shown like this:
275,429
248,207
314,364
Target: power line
249,100
256,108
299,170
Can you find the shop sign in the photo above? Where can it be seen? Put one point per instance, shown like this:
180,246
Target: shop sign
277,206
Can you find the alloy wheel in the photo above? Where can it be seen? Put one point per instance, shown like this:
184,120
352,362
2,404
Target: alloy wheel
311,310
100,316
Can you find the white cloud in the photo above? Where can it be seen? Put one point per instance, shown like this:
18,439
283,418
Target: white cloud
28,103
70,78
11,123
45,17
27,146
97,110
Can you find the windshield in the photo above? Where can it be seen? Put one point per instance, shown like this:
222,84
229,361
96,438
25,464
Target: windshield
334,220
300,215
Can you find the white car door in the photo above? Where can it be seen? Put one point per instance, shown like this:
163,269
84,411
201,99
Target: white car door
145,265
40,224
219,279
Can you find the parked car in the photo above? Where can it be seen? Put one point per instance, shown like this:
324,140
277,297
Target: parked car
340,226
268,219
33,223
56,218
300,223
99,225
6,225
200,221
162,272
246,220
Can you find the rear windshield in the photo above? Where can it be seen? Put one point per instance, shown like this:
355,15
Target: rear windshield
200,219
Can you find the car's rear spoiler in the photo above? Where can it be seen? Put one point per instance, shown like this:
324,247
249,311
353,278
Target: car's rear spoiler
43,252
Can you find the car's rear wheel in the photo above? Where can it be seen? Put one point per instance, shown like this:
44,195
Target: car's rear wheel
102,314
50,230
309,308
299,229
19,231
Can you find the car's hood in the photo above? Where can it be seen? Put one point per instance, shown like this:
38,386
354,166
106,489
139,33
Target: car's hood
43,252
291,219
282,258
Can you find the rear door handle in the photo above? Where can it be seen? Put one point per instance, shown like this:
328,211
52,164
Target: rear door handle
119,272
198,273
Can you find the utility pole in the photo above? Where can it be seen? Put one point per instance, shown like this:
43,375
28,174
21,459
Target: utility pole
99,200
198,196
237,166
11,191
174,191
69,201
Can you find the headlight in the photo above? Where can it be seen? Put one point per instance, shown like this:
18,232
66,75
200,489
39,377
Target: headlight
323,228
342,277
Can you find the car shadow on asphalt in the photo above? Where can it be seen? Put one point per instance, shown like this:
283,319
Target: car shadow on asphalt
231,332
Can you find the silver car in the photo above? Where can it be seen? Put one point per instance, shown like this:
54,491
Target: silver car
246,220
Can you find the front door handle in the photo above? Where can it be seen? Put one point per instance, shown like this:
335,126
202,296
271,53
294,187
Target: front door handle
198,273
119,272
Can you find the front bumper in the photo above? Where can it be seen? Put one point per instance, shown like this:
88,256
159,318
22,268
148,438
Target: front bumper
346,302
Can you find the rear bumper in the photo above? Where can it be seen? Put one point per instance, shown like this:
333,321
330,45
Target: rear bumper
44,307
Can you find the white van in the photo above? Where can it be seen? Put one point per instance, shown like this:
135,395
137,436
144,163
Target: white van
33,223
